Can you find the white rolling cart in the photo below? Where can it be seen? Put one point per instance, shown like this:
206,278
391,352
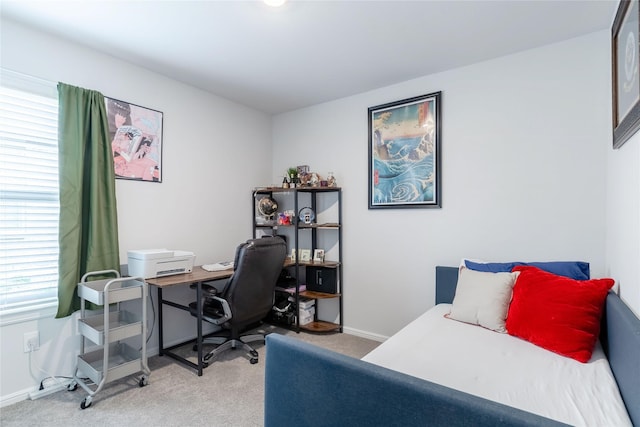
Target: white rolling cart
110,359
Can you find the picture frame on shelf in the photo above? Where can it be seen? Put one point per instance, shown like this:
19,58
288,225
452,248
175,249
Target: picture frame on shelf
305,255
293,255
136,140
404,153
318,255
625,52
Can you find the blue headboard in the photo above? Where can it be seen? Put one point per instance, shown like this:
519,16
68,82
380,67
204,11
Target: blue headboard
446,281
619,335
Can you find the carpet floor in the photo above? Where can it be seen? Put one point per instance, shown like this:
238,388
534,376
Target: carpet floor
229,393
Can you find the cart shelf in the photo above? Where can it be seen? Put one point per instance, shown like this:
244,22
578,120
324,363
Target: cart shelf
122,324
118,291
123,360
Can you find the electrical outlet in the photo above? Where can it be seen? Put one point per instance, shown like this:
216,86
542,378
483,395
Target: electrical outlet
31,341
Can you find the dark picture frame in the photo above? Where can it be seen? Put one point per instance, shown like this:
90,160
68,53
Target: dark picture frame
136,140
625,52
404,153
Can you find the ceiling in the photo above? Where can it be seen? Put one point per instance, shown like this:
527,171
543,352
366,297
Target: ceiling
308,52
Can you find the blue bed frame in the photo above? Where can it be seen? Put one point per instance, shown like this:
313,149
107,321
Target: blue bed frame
306,385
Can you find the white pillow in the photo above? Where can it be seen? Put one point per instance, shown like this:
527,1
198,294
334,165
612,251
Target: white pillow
483,298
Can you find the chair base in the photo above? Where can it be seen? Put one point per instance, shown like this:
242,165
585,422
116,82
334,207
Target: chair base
225,343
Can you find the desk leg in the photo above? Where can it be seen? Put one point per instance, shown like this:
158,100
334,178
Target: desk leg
160,306
199,337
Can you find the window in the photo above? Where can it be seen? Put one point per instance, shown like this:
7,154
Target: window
29,192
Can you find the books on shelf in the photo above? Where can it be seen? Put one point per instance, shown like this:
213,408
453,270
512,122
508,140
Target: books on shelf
292,290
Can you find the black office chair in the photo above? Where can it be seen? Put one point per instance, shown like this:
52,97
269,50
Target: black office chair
246,298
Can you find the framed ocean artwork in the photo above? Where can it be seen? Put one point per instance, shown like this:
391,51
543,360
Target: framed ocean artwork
404,153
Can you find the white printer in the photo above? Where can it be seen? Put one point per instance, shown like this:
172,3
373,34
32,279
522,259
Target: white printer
150,263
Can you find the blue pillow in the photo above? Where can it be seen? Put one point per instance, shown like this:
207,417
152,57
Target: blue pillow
576,270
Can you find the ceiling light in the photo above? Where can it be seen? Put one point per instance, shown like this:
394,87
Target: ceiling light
274,3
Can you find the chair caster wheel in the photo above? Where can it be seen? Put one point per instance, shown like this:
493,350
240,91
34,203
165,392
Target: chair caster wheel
253,360
254,353
143,382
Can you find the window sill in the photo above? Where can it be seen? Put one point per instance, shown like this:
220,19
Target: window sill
26,314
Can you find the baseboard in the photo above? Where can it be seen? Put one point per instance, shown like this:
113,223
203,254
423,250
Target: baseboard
16,397
364,334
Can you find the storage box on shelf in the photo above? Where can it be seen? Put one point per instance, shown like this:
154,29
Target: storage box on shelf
306,303
306,316
306,310
315,279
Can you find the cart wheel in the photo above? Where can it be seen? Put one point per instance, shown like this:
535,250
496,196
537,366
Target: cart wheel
84,404
253,353
72,386
143,382
253,360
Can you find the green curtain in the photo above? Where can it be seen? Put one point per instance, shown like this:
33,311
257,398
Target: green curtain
88,218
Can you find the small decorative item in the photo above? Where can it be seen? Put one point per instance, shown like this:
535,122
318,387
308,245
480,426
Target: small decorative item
331,180
318,255
314,180
293,177
305,255
290,215
626,81
283,219
293,255
307,215
303,175
285,183
267,207
404,153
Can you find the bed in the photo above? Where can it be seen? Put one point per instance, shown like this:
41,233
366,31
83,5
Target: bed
309,386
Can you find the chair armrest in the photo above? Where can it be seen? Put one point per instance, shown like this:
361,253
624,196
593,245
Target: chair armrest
227,311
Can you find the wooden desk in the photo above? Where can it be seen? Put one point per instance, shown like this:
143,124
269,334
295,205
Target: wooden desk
197,277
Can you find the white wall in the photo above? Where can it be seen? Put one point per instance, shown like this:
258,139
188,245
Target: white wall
214,152
524,147
623,220
528,173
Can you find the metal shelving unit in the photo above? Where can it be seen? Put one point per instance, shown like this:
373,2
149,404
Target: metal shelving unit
296,198
111,358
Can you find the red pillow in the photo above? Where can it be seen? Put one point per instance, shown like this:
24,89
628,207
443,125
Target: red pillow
557,313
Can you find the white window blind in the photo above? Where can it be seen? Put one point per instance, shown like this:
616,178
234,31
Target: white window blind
29,192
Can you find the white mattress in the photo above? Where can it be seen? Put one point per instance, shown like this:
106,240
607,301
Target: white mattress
505,369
